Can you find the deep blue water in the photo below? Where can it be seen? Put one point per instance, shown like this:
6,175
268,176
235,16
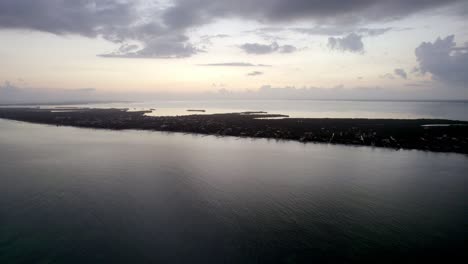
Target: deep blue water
71,195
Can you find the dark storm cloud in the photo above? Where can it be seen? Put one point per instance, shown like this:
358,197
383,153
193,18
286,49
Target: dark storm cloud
351,43
147,28
118,21
187,13
444,60
234,64
84,17
259,49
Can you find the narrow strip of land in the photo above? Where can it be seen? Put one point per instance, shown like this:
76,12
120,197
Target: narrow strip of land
421,134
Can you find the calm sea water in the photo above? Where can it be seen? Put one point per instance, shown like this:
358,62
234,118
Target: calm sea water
71,195
308,108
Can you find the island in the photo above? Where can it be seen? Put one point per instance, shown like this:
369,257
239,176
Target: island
196,110
421,134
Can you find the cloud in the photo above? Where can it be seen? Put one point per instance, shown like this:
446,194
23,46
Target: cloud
259,49
207,39
351,43
444,60
287,49
351,39
255,48
339,30
186,13
88,90
372,32
268,33
397,72
426,91
322,30
171,46
255,73
150,40
87,18
234,64
400,72
10,93
337,92
419,84
387,76
132,24
7,88
159,29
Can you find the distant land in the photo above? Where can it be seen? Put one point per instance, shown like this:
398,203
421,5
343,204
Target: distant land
421,134
60,103
53,103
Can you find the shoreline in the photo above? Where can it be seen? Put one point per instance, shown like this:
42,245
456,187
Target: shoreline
435,135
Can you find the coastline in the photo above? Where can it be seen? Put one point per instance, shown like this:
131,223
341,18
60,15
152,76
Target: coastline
421,134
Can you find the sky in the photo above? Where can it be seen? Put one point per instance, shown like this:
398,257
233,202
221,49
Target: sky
72,50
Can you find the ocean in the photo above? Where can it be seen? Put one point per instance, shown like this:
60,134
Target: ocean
70,195
455,110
